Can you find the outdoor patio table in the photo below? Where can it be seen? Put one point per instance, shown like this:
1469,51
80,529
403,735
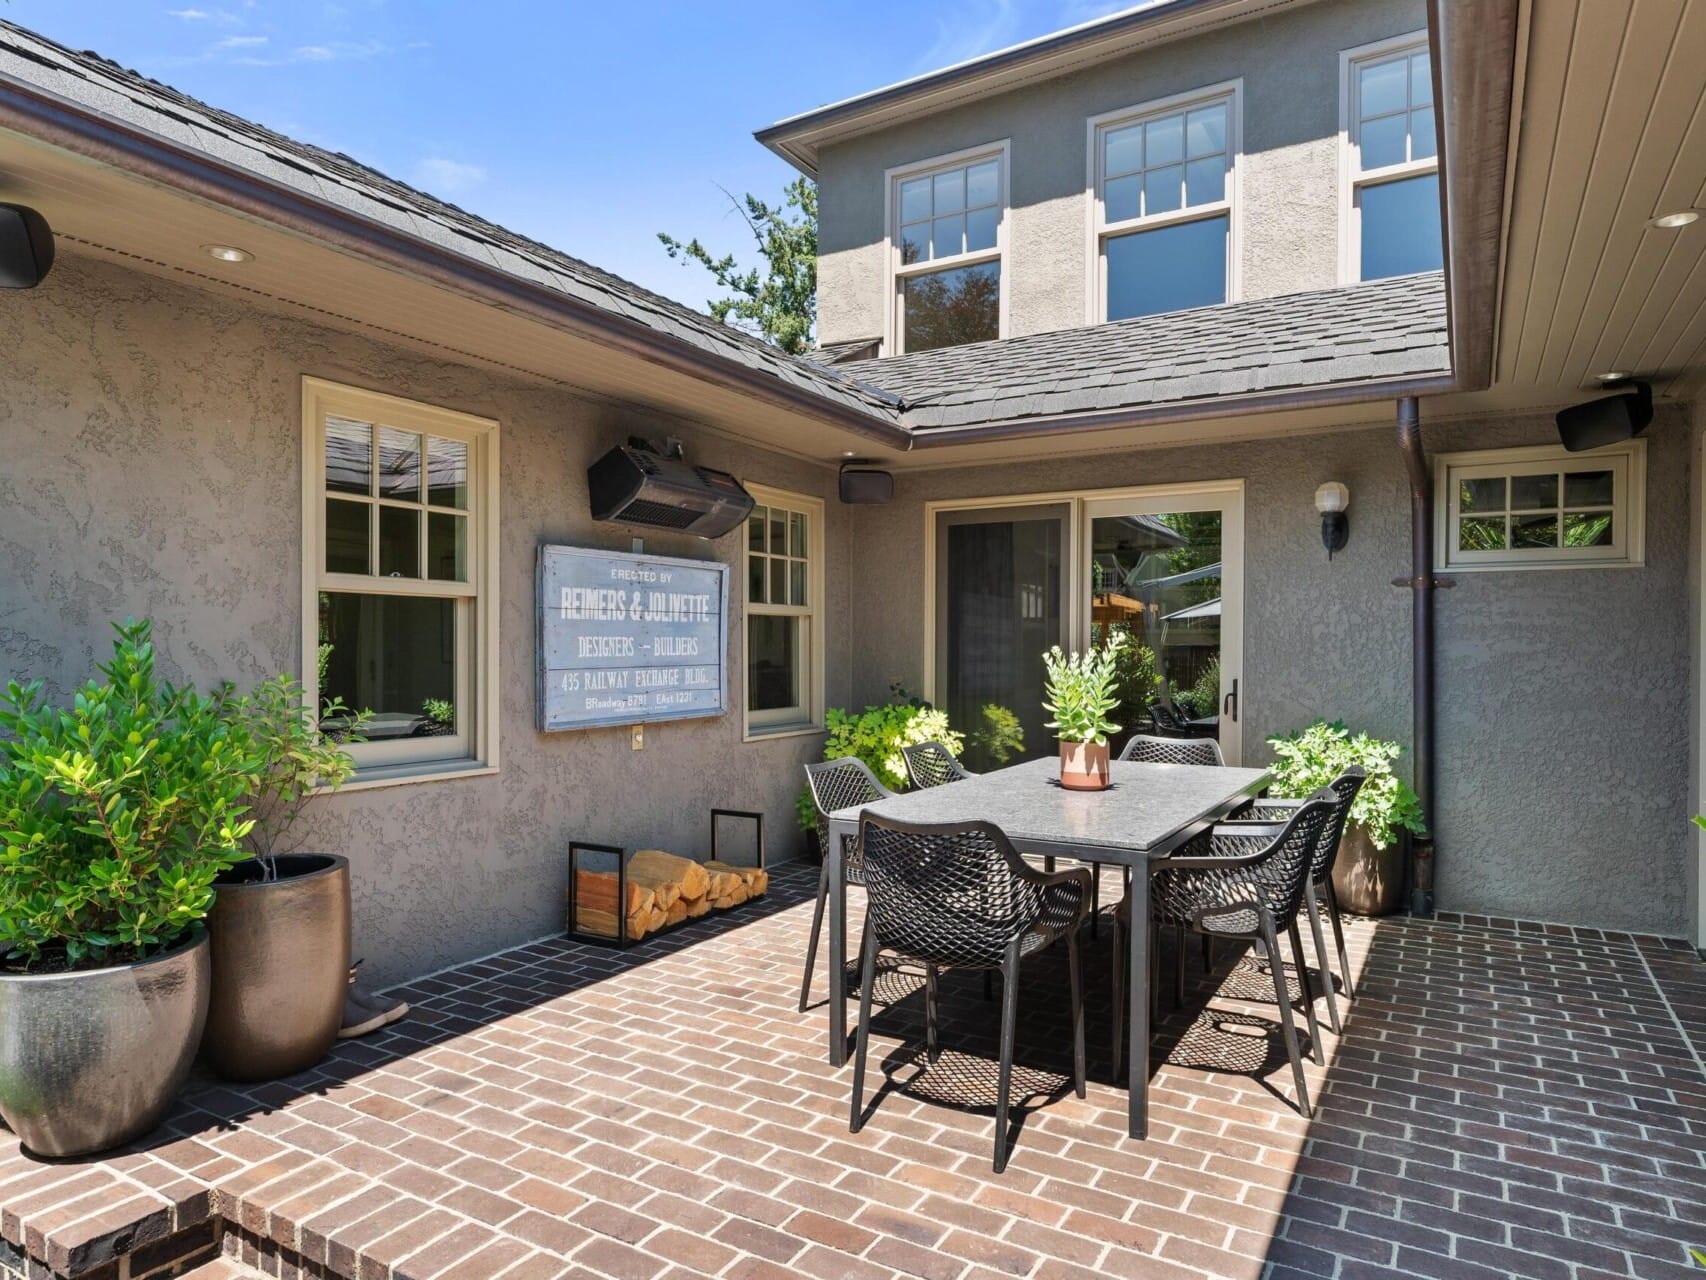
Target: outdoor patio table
1148,812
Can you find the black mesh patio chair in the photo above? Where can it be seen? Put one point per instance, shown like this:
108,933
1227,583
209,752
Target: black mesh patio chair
959,896
1153,750
1318,895
1246,881
931,764
1168,723
835,784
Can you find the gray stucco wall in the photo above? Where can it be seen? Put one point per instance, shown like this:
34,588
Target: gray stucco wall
1563,715
1289,208
151,436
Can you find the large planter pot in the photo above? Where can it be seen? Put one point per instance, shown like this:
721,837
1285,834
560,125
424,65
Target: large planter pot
91,1060
1368,881
1084,766
281,953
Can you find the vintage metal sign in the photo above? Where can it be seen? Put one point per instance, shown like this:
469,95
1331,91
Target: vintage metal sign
629,639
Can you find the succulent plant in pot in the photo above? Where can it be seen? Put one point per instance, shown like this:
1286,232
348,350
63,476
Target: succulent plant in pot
117,814
1081,693
280,925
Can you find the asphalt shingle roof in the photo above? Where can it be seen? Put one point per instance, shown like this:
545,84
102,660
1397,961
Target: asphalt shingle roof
1386,329
96,84
1336,336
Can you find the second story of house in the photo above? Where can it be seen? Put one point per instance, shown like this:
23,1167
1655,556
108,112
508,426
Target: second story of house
1184,154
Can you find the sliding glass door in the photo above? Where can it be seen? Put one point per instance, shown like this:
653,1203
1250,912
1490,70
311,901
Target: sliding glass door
1000,603
1162,566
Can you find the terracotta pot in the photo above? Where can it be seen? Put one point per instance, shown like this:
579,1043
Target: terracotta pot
1368,881
91,1059
281,951
1084,766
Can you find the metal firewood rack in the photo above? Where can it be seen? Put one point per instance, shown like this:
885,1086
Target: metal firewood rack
620,854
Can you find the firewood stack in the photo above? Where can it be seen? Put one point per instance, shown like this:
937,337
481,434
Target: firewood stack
663,890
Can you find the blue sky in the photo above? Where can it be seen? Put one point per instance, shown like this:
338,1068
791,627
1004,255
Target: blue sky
591,126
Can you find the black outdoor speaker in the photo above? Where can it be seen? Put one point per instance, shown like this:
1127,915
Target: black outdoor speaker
1606,421
865,486
26,247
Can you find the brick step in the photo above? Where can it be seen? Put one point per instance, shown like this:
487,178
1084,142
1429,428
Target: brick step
222,1269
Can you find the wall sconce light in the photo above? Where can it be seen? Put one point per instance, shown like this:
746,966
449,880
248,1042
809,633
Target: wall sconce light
1331,499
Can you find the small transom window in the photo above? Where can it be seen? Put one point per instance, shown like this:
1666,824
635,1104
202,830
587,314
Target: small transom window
1541,508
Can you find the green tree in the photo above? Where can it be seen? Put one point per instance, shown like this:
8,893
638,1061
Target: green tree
777,302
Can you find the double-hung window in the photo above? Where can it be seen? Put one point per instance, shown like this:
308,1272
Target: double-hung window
784,613
399,578
946,239
1390,210
1541,508
1165,179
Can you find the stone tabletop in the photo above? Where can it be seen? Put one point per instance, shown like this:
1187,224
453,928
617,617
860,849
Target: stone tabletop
1147,805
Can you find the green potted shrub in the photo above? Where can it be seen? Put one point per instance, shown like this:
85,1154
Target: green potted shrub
876,736
280,926
1367,875
117,814
1081,693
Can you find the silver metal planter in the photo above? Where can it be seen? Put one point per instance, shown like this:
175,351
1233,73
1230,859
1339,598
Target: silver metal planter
280,967
91,1060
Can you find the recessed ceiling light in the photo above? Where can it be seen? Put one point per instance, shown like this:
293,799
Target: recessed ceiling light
227,253
1612,375
1671,221
847,453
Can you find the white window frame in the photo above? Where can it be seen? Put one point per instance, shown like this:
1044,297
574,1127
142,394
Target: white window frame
1231,92
1626,461
807,718
474,747
1352,179
896,271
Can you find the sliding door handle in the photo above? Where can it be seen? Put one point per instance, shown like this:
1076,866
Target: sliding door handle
1229,704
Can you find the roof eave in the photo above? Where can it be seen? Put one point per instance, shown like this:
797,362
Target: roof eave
1328,396
51,119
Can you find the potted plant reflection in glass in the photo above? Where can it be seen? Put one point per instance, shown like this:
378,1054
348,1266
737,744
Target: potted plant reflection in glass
1081,695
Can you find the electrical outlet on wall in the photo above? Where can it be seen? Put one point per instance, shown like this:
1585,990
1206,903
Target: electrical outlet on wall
639,739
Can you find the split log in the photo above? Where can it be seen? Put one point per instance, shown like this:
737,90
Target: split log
733,899
756,879
595,905
677,912
652,865
696,907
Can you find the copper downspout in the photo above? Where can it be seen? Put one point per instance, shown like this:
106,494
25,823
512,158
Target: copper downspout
1422,584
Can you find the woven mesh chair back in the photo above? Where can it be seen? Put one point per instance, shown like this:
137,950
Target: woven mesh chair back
954,894
1152,750
1344,789
842,784
931,764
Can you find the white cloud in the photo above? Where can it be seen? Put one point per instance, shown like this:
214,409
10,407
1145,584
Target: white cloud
219,17
241,42
446,177
974,29
1074,12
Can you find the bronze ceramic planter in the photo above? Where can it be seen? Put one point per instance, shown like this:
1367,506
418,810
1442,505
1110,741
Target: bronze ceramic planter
1084,766
1368,881
91,1060
281,954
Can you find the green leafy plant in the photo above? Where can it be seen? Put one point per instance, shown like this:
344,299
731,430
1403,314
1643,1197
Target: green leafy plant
117,813
1311,758
1082,691
1137,680
439,711
876,736
1204,696
293,760
999,735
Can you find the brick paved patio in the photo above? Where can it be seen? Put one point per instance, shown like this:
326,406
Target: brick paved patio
1508,1100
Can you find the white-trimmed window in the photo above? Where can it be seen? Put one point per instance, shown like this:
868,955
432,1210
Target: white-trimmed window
1390,223
1164,177
784,613
1541,508
400,546
947,232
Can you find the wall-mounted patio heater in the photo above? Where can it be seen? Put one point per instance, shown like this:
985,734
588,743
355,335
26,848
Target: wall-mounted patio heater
635,484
